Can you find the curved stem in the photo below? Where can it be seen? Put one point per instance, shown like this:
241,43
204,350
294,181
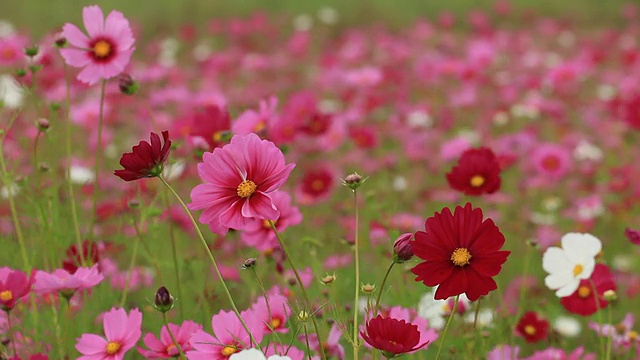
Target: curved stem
132,264
446,328
67,135
173,338
36,173
475,316
306,337
96,169
212,259
356,337
384,281
264,294
299,280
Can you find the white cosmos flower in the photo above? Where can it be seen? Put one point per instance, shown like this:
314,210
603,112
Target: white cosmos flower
571,263
255,354
567,326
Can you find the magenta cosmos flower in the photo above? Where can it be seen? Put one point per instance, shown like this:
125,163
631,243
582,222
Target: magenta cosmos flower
164,348
122,332
105,52
67,284
239,179
14,285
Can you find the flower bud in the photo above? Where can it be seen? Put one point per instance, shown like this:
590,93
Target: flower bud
127,85
60,41
353,181
402,250
31,51
610,295
43,124
249,263
133,203
163,301
21,73
367,288
303,316
328,279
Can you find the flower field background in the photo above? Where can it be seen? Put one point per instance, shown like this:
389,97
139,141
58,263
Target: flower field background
351,180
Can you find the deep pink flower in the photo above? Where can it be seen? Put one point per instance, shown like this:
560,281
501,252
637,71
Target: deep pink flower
105,52
239,180
61,280
14,285
122,332
279,310
164,348
259,234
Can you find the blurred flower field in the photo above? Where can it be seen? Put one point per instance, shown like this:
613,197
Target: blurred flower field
311,184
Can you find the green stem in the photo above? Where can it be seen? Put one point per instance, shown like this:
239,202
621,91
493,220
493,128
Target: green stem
36,173
173,338
598,308
306,338
384,281
610,335
264,294
132,264
446,328
174,248
11,333
74,211
299,280
212,259
356,337
146,248
475,316
96,169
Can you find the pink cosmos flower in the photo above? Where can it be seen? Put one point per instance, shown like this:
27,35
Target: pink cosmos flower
252,121
164,348
229,337
62,281
259,234
551,160
332,347
279,309
14,285
105,52
122,332
239,180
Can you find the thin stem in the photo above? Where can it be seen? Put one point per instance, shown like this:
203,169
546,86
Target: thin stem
36,173
446,328
356,337
96,169
609,336
299,280
56,322
264,294
211,258
475,316
74,211
173,338
598,308
11,333
174,248
132,264
146,248
306,338
384,281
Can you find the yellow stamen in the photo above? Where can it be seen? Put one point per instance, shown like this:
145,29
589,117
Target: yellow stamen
170,348
633,335
275,323
477,181
246,188
461,256
113,348
584,291
102,49
530,330
228,351
317,185
6,295
577,270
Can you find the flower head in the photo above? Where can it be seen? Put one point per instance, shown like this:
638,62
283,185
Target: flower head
461,252
66,283
122,332
477,172
239,180
105,52
532,327
14,285
392,336
145,159
583,300
573,262
164,348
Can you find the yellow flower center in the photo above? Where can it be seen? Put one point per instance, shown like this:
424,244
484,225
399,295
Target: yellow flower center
246,188
275,323
6,295
228,351
102,49
259,126
317,185
112,348
477,181
530,330
460,256
584,291
170,348
577,270
633,335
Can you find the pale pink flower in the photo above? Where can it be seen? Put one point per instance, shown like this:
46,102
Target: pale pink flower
122,332
239,180
164,348
62,281
105,52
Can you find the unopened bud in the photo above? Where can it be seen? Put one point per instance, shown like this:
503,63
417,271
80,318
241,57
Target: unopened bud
610,295
367,288
402,250
303,316
43,167
60,41
353,181
43,124
328,279
249,263
133,203
127,85
31,51
21,73
163,301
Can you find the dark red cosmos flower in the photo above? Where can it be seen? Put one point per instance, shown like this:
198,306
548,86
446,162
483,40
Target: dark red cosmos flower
532,327
392,336
477,172
632,235
90,254
583,300
145,159
461,252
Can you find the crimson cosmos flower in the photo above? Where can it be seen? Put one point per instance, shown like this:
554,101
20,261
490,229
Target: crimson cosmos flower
477,172
461,252
146,159
532,327
392,336
583,300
